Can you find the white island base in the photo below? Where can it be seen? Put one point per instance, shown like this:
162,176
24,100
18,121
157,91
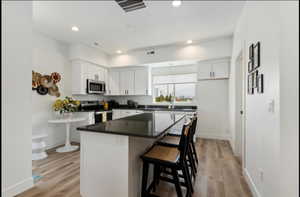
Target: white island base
110,165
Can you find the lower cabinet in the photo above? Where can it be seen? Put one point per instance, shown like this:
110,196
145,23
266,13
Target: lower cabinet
122,113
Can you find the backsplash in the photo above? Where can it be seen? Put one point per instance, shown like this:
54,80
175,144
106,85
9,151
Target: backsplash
89,97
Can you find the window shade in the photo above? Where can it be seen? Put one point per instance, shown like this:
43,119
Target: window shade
184,78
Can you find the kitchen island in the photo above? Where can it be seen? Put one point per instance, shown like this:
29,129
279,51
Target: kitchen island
110,152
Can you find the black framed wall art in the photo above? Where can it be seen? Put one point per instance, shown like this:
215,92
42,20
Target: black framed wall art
260,83
256,55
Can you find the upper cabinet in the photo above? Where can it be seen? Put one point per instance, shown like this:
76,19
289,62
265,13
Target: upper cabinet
129,81
113,87
142,82
214,69
81,71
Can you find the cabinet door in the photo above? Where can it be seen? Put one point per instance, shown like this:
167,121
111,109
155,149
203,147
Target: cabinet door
141,82
127,82
204,71
220,69
91,71
114,83
79,76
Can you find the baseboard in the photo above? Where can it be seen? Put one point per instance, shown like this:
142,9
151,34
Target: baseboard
18,188
251,184
211,136
51,146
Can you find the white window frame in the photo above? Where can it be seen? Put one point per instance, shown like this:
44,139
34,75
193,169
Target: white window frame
174,90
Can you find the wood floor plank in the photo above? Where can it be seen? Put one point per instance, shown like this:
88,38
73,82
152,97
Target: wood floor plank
219,174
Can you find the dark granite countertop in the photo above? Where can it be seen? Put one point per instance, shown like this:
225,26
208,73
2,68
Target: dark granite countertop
179,108
149,125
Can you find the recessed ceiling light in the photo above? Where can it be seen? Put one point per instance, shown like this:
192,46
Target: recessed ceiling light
189,42
119,51
74,28
176,3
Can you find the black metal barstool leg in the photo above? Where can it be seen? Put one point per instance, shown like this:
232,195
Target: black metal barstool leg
145,178
177,183
156,176
192,165
195,152
192,158
188,180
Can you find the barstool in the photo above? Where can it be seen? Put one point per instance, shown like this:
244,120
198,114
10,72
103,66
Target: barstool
173,158
173,140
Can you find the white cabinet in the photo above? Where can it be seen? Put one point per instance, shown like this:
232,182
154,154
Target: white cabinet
220,69
214,69
81,71
79,77
142,82
113,86
130,81
127,82
204,71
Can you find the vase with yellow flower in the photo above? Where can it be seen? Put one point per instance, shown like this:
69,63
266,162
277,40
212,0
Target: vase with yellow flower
66,106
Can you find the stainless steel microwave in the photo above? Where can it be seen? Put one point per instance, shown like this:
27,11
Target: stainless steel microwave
95,87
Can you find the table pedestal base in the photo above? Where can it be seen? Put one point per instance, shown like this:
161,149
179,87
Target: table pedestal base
65,149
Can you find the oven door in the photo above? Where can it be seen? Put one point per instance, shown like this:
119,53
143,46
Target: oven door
98,117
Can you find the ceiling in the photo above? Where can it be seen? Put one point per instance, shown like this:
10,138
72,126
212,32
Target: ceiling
106,23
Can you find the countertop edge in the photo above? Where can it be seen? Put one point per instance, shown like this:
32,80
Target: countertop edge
132,135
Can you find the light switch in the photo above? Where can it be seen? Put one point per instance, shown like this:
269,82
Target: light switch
271,106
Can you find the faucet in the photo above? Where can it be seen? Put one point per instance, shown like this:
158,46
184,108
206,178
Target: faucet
172,104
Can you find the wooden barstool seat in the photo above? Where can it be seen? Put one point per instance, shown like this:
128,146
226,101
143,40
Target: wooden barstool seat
164,154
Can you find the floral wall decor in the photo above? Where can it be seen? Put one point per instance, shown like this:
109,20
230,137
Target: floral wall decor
46,84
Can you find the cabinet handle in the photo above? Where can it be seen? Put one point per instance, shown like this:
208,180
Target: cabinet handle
213,74
210,74
146,92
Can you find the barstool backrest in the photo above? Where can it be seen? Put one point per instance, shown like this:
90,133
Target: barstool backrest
194,125
184,140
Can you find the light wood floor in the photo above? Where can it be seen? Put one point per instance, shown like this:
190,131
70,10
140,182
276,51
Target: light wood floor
219,174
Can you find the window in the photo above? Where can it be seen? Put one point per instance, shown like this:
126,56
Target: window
177,88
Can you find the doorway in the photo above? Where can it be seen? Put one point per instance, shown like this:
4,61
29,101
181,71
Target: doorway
239,107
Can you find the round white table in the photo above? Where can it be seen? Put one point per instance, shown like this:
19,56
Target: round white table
68,147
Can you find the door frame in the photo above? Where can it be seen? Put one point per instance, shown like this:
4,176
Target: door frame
242,54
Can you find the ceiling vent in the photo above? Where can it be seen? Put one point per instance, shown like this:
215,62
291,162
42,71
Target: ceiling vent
151,52
131,5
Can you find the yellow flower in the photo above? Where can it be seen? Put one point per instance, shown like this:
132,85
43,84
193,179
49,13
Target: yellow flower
66,101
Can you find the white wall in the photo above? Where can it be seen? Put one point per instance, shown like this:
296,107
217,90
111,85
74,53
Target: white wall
50,56
86,53
205,50
16,103
260,21
289,98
